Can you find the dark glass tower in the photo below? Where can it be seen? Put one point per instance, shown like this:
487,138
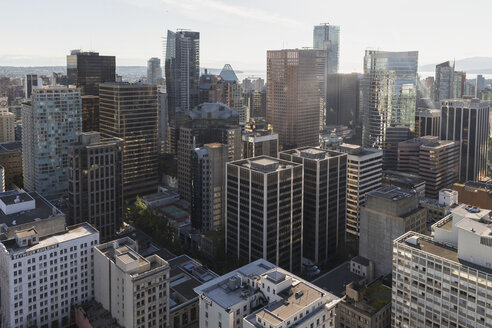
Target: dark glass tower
129,111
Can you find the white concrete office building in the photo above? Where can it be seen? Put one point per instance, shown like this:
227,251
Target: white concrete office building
261,294
134,289
445,280
44,275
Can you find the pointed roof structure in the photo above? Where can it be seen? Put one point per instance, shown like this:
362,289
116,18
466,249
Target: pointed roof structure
228,74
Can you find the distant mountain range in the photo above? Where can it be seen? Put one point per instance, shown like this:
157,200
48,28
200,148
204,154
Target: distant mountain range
473,65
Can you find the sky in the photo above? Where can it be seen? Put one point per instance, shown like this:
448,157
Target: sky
41,33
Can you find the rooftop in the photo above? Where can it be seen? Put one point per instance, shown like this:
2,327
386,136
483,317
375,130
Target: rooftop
212,111
374,297
9,147
265,164
98,316
43,209
313,153
72,232
337,279
390,192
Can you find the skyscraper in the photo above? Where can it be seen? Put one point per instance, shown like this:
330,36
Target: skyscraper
95,187
154,70
50,122
129,112
443,85
163,121
459,85
259,139
327,37
389,101
87,70
467,121
364,174
294,97
479,85
206,123
31,82
325,199
342,99
427,122
182,71
208,165
264,211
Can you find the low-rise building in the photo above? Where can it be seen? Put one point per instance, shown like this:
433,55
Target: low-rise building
439,208
134,289
474,193
186,274
261,294
365,306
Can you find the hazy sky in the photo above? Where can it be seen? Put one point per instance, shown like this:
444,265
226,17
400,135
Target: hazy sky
35,32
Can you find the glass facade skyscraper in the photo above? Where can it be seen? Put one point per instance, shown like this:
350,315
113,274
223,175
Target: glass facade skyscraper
182,71
50,123
444,82
327,37
389,101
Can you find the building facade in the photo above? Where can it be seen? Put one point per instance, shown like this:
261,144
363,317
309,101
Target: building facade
259,139
364,174
134,289
444,81
7,122
294,95
208,165
11,160
324,200
327,37
427,122
44,274
342,99
264,213
129,112
261,294
50,122
154,70
444,280
389,101
467,122
95,185
436,161
388,213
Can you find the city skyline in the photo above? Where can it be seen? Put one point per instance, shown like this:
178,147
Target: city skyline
143,24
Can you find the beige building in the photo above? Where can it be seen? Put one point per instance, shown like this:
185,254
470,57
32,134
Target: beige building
388,213
11,160
294,98
7,122
365,306
133,288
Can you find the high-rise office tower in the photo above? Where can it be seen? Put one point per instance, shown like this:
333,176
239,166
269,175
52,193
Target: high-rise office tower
389,101
208,165
264,211
206,123
154,70
479,85
459,85
389,212
133,288
451,268
364,174
467,121
7,122
427,122
327,37
230,92
163,121
182,71
436,161
443,85
257,103
129,112
95,183
294,97
31,82
50,123
342,99
33,261
324,204
259,139
87,70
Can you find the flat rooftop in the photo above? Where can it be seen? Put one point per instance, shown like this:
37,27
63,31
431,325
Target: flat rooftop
174,211
265,164
373,298
9,147
72,233
337,279
10,197
313,153
391,193
43,210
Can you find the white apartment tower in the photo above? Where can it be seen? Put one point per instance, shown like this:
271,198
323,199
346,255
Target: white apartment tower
364,174
44,275
260,295
134,289
445,280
